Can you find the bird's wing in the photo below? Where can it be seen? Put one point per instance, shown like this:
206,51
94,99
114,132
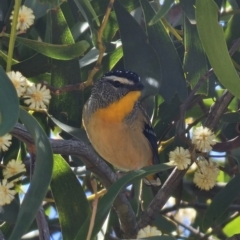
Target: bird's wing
150,135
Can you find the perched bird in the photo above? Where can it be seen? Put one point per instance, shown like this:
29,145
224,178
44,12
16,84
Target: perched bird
117,125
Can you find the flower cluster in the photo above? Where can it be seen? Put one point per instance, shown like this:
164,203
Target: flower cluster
5,142
180,157
25,18
13,168
37,96
148,231
203,139
207,172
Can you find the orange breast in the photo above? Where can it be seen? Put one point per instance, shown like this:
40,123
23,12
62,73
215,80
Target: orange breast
125,147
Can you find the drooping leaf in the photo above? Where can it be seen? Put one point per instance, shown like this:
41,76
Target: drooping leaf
195,62
232,33
41,8
56,51
213,41
40,180
75,132
10,211
66,107
33,66
67,189
161,12
188,7
172,76
91,12
9,104
138,55
221,202
106,201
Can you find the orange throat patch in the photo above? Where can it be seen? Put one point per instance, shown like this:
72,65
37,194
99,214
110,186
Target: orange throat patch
117,111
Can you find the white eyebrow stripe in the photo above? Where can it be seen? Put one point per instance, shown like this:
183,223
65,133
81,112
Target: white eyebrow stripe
120,79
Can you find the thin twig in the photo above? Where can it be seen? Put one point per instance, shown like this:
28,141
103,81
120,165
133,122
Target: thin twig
161,197
101,48
94,210
44,233
194,231
197,206
220,226
200,82
95,164
218,108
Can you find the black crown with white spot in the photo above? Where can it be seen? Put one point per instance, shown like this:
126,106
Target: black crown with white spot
130,75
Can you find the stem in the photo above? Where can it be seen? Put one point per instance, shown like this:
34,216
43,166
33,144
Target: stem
13,34
101,47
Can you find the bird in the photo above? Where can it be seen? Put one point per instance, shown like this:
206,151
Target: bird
117,125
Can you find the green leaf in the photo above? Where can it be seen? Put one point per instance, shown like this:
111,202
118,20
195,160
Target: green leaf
5,56
75,132
67,189
188,7
66,106
172,76
231,117
33,66
138,55
40,180
165,224
9,104
87,63
106,201
10,212
162,11
212,38
232,33
90,9
56,51
160,238
194,69
221,202
39,9
232,227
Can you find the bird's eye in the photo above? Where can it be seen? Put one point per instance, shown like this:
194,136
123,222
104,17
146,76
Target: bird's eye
116,84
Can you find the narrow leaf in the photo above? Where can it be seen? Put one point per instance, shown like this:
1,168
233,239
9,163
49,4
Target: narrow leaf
194,69
172,76
67,106
188,7
56,51
9,104
106,201
221,202
162,11
40,180
75,132
232,33
67,189
138,55
212,38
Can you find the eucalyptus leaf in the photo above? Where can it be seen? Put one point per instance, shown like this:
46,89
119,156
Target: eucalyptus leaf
162,11
71,216
9,104
106,201
221,202
56,51
40,180
213,41
138,55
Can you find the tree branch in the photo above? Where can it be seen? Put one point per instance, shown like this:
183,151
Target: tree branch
96,165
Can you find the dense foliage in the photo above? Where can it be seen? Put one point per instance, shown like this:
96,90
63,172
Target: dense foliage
186,54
